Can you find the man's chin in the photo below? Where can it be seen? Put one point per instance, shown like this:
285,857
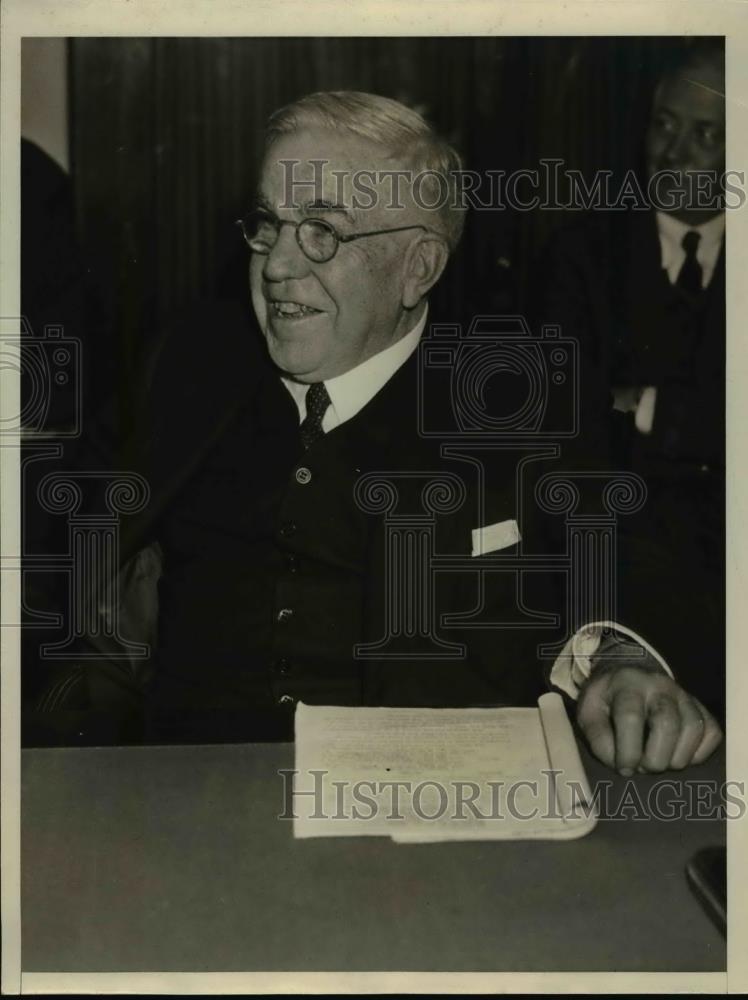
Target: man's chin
693,216
686,201
295,361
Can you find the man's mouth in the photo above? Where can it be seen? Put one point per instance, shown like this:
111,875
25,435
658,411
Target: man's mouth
291,310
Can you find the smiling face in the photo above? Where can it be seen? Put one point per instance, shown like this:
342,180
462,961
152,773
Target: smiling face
322,319
687,134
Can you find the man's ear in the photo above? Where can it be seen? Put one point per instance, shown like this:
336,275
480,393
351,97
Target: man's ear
425,260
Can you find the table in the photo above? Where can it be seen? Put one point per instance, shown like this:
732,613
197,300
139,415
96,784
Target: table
173,859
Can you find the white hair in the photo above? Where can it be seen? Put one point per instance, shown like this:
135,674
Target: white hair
403,132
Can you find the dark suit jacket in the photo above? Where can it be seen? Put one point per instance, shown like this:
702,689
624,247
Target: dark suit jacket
245,540
601,280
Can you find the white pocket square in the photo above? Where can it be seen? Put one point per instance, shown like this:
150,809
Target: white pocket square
494,537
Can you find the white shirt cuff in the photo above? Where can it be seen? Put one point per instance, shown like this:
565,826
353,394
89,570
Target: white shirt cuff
574,663
645,410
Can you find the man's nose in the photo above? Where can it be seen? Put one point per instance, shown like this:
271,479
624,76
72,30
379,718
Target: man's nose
286,259
677,151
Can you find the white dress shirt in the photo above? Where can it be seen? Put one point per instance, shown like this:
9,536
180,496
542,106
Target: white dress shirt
671,232
351,391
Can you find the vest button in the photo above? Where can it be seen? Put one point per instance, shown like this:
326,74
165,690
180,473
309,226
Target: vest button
292,562
303,476
287,529
282,667
286,699
284,615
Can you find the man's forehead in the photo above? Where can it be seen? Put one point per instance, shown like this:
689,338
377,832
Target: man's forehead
322,165
320,170
700,91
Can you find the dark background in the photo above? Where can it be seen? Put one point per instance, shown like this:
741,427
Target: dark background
165,136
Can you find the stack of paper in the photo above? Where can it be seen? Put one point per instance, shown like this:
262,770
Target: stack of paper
432,774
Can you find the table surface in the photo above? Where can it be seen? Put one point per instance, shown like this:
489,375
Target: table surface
173,859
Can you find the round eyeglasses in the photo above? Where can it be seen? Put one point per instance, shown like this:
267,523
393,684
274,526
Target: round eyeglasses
318,240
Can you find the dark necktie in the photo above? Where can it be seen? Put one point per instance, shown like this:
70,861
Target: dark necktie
317,401
690,274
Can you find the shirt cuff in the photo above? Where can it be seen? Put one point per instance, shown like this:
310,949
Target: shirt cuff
645,410
574,663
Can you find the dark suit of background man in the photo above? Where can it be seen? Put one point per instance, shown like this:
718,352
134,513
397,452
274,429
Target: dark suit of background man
644,291
274,559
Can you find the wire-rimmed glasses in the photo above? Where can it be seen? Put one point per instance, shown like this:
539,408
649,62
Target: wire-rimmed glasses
318,239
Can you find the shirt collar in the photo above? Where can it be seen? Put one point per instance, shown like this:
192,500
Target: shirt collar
672,231
351,391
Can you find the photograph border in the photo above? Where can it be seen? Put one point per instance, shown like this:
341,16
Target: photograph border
63,18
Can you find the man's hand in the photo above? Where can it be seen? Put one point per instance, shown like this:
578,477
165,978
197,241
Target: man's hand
639,719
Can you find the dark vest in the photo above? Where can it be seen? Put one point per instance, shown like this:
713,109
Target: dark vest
274,574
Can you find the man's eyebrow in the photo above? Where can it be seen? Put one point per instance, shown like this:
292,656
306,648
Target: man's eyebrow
322,206
318,206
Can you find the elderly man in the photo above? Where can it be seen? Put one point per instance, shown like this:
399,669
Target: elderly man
272,461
